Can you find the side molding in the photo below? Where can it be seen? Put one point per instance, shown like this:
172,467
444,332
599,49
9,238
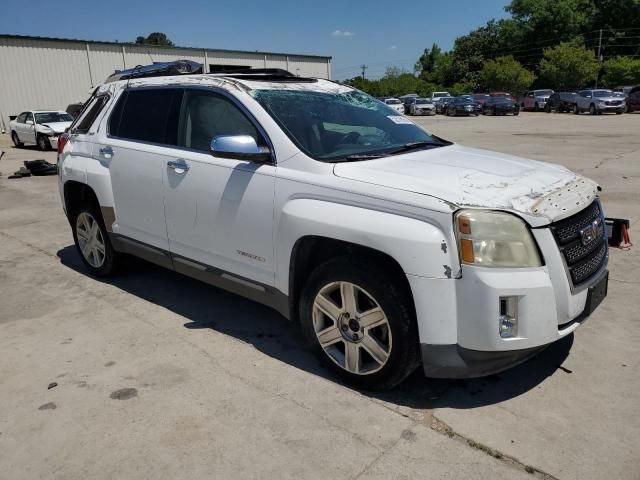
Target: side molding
230,282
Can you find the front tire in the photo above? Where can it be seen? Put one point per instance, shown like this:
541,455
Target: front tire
360,323
92,242
16,140
592,109
576,110
43,143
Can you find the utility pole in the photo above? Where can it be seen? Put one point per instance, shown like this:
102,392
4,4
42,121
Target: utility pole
599,54
363,67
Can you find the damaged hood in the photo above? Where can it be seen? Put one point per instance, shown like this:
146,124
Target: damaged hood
58,127
469,177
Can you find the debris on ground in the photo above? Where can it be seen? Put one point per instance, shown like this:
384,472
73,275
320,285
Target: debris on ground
36,168
21,173
41,167
52,385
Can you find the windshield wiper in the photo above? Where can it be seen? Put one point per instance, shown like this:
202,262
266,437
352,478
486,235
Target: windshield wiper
407,147
358,157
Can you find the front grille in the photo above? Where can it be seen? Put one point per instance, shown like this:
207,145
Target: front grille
582,244
613,102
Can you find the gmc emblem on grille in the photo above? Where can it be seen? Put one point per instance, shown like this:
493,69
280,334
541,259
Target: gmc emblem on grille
589,233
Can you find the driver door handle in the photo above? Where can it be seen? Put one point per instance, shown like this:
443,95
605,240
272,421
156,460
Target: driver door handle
178,166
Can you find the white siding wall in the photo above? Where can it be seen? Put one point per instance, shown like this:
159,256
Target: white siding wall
38,75
43,74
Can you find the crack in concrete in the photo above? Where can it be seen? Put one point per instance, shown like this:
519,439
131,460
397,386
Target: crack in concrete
443,428
379,456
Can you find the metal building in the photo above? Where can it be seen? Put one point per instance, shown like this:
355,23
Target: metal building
51,73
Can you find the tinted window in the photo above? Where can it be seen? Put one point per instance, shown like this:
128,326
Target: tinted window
30,116
207,115
149,115
53,117
89,114
22,117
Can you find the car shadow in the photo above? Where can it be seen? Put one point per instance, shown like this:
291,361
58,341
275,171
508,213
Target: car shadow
208,308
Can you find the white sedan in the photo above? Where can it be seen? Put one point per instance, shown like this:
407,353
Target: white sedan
396,104
39,127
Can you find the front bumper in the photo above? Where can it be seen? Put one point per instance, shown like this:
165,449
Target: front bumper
611,108
459,318
456,361
423,111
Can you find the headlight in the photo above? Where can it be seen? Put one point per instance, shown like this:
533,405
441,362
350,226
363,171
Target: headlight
495,239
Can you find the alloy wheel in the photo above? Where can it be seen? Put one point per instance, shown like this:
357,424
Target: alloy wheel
352,328
90,239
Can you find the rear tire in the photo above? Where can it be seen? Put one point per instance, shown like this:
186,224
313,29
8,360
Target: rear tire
576,110
374,357
16,140
92,241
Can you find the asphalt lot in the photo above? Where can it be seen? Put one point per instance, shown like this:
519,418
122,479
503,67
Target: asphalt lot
159,376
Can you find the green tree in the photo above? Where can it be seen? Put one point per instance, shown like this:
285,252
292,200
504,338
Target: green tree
428,60
505,74
155,38
472,50
619,71
569,66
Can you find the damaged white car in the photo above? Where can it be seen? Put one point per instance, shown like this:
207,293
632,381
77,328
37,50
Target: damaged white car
39,127
392,247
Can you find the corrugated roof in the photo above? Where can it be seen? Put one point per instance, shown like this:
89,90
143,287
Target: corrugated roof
130,44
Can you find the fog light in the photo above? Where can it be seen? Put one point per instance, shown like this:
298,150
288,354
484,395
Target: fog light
508,318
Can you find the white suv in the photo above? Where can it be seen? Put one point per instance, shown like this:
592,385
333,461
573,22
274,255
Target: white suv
391,246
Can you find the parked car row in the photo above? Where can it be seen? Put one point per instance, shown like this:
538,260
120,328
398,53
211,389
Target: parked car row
594,101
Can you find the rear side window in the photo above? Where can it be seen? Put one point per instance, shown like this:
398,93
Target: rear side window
89,114
149,115
22,117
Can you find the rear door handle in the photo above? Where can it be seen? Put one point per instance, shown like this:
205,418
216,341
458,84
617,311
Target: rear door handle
178,166
106,151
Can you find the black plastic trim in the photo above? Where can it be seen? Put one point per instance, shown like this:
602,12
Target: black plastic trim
454,361
258,292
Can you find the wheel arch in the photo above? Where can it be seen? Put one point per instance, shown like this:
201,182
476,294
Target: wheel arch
311,251
77,194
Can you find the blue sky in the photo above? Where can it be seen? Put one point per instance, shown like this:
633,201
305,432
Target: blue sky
352,33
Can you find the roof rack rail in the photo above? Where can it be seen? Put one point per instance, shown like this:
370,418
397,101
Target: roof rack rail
157,69
265,75
229,71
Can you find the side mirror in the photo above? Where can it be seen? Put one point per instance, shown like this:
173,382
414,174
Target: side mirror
29,122
239,147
